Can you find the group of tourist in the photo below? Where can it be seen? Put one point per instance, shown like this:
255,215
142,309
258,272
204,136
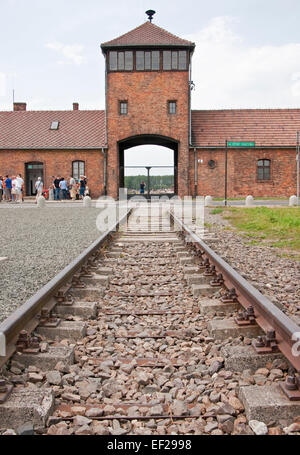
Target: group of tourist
61,189
11,188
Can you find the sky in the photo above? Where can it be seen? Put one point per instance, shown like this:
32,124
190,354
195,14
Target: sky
247,52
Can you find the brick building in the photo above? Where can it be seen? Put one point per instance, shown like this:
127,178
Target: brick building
148,101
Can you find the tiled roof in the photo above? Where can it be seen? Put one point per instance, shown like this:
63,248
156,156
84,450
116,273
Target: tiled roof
148,34
31,130
267,127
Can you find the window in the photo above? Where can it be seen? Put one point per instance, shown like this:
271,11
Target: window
128,61
263,169
113,61
54,125
123,108
147,61
174,60
172,107
140,62
167,60
122,61
78,169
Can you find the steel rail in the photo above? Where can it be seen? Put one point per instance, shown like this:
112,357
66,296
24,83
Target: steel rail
26,316
268,316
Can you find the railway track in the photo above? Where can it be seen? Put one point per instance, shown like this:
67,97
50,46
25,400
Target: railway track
153,333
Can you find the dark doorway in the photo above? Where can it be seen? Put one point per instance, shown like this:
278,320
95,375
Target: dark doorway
32,172
149,140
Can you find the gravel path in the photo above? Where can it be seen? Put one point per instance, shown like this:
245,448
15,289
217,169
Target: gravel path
276,277
38,244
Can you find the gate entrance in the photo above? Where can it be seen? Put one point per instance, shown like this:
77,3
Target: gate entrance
157,171
32,172
154,185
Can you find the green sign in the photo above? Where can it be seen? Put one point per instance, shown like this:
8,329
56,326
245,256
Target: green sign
240,144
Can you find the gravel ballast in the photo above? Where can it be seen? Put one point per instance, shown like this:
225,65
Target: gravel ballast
38,243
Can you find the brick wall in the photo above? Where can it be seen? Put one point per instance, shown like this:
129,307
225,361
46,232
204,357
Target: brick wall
147,94
56,163
242,173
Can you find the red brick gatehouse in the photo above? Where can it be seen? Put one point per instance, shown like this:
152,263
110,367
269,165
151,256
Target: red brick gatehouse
148,99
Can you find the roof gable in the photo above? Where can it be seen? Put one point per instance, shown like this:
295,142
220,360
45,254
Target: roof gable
148,34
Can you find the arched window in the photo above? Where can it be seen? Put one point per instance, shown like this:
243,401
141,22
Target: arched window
78,169
263,169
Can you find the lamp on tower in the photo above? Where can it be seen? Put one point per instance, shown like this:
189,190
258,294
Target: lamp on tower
150,13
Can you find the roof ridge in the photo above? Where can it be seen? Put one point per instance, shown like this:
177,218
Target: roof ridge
118,40
55,110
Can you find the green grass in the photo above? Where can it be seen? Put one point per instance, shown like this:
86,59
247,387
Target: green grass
276,227
217,211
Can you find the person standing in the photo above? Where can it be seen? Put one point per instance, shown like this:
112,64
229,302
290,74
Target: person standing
19,182
39,188
72,185
51,188
142,188
63,185
56,183
82,183
1,187
8,188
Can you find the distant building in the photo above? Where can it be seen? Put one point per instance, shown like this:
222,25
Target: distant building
148,99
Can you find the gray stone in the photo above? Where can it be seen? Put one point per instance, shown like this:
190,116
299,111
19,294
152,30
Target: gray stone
53,377
210,426
179,408
94,412
156,410
25,429
259,428
215,367
81,420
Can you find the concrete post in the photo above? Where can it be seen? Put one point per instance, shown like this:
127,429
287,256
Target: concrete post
293,201
208,201
249,202
41,202
87,201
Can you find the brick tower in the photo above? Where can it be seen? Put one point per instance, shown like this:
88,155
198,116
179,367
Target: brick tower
147,99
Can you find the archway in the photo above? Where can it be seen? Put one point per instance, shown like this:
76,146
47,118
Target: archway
148,165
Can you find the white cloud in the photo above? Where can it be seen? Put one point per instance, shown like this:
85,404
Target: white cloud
230,74
2,84
71,53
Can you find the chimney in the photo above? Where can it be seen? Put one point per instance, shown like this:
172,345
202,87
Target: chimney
75,107
19,106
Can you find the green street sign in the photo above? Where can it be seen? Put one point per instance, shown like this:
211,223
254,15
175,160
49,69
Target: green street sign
240,144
